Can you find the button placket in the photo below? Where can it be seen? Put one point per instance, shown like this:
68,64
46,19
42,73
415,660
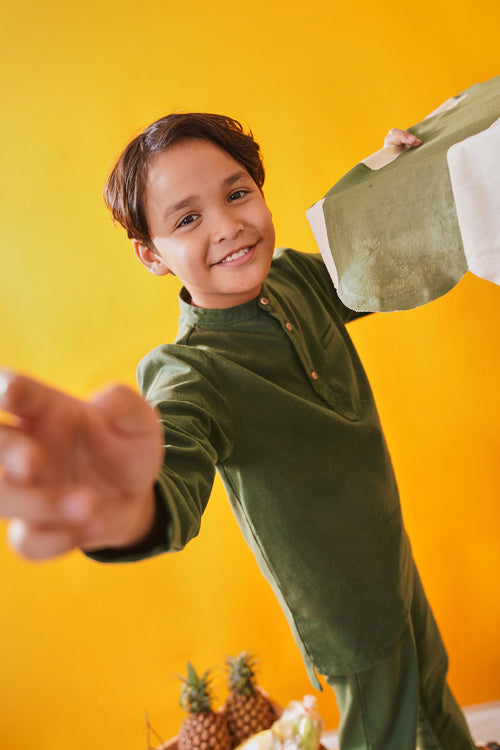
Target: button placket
296,343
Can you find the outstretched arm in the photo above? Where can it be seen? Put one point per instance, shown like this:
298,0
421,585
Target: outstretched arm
76,473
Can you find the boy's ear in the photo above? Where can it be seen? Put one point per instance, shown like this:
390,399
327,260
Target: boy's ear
153,262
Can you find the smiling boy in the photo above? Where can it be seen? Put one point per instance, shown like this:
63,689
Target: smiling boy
219,237
262,384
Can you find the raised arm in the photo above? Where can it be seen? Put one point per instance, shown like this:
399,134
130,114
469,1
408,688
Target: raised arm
75,473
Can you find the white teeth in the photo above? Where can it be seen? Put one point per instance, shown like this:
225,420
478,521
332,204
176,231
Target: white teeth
236,255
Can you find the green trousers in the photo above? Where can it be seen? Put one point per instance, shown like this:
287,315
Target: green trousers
403,700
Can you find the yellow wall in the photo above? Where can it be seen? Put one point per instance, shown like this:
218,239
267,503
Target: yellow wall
86,649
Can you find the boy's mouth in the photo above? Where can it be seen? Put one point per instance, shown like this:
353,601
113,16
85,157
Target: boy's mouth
235,256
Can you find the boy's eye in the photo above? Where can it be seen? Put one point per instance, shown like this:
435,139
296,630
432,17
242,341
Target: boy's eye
187,220
237,194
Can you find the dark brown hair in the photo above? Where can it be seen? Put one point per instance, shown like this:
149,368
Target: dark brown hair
124,189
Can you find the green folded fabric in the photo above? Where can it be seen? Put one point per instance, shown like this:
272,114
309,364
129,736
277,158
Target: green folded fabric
400,235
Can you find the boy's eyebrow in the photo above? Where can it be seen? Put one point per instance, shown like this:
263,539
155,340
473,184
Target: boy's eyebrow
226,182
234,178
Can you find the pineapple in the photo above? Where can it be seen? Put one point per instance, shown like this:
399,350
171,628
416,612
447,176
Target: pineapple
202,729
247,708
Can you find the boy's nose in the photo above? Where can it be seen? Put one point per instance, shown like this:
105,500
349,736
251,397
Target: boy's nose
227,226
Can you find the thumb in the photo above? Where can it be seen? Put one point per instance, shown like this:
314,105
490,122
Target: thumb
126,410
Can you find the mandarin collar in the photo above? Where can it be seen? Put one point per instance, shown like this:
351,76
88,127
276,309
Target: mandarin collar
191,315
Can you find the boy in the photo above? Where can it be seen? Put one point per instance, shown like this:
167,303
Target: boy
264,385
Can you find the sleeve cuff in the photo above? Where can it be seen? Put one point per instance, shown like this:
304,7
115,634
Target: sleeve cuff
154,543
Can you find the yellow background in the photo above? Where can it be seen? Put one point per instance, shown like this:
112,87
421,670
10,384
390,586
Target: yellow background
86,649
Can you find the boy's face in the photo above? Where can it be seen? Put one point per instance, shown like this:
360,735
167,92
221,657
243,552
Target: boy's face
209,223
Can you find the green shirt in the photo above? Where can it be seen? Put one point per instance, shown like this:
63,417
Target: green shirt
273,396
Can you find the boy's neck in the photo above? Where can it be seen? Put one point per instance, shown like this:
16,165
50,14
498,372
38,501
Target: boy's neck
188,299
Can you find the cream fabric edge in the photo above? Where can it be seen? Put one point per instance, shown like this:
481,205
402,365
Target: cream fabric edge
473,165
316,217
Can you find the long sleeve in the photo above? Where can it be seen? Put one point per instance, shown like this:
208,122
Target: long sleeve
197,430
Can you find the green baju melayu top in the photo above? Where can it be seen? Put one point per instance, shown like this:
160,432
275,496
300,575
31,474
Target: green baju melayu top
272,395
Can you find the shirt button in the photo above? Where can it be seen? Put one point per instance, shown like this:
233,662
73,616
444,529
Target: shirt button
314,375
264,301
289,326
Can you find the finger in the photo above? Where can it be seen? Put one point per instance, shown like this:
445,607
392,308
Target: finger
126,410
410,139
24,397
45,505
20,456
398,137
38,543
391,137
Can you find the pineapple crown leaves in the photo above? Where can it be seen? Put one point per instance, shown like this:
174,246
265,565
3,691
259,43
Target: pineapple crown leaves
241,673
196,692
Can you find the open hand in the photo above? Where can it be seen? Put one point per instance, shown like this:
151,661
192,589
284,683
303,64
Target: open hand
75,473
